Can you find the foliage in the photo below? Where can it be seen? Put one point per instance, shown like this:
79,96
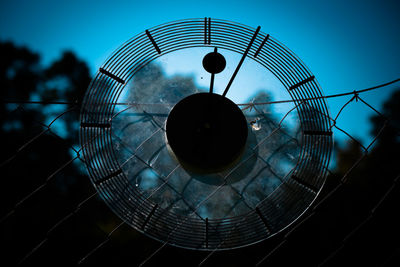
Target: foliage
22,78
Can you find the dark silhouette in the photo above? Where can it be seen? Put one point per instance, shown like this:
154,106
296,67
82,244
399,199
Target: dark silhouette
213,63
26,168
51,161
367,184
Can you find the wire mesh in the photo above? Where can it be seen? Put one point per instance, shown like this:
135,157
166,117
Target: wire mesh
335,248
281,208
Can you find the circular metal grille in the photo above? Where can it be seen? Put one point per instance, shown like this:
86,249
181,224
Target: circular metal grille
269,216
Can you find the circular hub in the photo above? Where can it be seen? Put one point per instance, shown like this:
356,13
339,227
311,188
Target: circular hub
206,132
214,62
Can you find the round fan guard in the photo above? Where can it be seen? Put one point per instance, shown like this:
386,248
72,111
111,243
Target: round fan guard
275,213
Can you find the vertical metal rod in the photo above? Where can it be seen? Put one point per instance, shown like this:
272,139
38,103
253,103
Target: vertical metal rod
261,45
206,232
209,30
153,42
212,76
149,216
241,61
205,31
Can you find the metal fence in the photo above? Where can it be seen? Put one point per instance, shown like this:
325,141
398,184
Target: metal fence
266,253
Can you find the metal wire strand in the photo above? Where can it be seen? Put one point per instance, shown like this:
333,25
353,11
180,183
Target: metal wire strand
120,74
329,195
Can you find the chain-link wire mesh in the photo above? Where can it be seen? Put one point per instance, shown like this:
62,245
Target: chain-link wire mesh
325,236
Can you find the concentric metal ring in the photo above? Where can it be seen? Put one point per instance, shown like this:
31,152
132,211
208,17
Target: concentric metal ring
271,215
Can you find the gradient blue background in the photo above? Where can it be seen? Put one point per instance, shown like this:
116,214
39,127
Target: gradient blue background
348,45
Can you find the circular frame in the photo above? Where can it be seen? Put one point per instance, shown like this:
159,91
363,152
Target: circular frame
273,214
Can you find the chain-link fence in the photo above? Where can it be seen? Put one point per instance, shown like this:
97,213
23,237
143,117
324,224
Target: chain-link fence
52,214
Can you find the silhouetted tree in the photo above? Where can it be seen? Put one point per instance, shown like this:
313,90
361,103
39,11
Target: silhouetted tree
367,184
27,165
24,170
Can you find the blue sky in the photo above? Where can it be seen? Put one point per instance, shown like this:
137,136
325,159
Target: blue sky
348,45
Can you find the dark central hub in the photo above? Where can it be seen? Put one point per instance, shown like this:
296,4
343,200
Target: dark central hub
206,132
